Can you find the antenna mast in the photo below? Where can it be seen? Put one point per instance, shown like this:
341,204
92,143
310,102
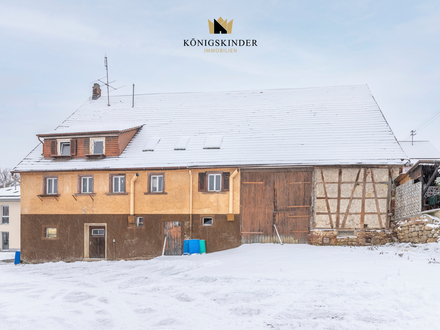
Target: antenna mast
106,69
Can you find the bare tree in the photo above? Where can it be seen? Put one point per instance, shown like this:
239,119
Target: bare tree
6,179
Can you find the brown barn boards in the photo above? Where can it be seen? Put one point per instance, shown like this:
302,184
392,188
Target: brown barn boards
280,198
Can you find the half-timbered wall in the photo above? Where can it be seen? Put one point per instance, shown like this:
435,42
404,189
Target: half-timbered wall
352,198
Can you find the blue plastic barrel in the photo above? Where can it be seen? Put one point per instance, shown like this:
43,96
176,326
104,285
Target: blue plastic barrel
17,257
185,247
194,246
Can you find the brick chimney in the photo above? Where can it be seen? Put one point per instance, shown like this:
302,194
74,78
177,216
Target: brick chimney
96,91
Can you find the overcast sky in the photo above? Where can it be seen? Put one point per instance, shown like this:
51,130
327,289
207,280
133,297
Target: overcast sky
52,51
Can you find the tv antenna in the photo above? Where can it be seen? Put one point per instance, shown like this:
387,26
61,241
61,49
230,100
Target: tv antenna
108,82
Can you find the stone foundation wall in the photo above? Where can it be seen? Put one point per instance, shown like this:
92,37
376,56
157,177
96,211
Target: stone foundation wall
422,229
359,237
408,199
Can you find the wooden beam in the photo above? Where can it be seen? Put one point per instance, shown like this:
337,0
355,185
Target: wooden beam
376,200
326,199
364,187
351,199
338,202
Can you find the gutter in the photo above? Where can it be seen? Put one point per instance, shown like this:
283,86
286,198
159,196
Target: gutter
133,179
190,203
231,194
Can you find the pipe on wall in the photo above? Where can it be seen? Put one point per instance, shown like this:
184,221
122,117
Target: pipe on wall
190,203
231,191
133,179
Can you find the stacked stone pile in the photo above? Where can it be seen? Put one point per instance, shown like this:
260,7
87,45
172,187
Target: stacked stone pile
422,229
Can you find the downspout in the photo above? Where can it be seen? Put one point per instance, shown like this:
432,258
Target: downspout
190,203
133,179
231,191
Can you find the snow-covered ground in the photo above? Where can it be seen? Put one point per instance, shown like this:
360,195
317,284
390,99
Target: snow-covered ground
252,287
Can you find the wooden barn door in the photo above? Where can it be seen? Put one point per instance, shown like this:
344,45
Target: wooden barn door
173,235
293,194
275,198
96,242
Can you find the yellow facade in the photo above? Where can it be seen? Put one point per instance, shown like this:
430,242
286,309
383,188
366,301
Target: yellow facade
175,201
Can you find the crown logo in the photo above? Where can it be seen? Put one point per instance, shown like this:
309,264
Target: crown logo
220,26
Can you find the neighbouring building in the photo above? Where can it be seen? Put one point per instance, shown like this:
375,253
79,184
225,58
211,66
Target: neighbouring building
125,181
419,150
10,218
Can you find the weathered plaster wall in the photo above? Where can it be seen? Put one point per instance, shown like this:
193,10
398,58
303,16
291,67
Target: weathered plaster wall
408,199
175,201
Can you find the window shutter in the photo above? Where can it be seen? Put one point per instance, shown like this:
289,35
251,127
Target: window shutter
44,186
53,147
202,179
225,184
73,147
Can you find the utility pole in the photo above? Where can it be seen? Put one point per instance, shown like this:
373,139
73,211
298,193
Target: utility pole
413,132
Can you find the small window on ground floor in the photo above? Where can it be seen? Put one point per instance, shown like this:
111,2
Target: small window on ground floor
140,221
51,232
207,221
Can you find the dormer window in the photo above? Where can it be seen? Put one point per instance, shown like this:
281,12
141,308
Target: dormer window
97,146
64,147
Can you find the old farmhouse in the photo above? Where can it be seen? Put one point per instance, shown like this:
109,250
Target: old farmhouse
311,165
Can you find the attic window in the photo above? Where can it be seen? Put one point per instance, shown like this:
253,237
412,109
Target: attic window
182,143
151,144
97,146
213,142
64,148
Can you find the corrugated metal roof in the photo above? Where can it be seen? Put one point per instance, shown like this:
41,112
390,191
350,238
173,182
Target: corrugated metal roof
308,126
420,150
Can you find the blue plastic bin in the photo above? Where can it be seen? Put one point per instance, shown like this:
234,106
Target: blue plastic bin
194,246
17,257
186,247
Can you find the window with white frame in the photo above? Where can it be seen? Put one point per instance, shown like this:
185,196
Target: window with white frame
98,232
51,186
140,221
86,185
156,183
5,214
214,182
50,233
119,184
207,221
64,147
97,146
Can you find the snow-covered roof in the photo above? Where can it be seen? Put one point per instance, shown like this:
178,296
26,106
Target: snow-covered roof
97,126
10,193
419,150
307,126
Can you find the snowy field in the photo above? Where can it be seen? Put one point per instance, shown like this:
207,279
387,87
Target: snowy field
252,287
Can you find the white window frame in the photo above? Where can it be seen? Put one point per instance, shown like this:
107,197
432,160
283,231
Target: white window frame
215,188
60,143
207,224
119,178
6,233
5,218
89,184
47,186
92,145
157,185
140,221
47,235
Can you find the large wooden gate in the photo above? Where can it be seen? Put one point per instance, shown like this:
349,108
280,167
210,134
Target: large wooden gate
280,198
